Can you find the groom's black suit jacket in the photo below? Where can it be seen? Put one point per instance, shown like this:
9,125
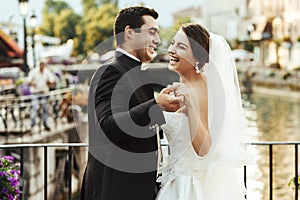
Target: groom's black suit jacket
122,158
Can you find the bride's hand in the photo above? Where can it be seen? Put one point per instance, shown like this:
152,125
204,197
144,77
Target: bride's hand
182,91
170,102
179,91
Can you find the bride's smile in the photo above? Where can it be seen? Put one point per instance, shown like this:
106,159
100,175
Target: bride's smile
180,53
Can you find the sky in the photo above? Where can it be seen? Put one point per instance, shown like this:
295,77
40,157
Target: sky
165,8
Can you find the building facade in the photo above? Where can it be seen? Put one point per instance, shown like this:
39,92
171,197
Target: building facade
225,18
270,27
278,46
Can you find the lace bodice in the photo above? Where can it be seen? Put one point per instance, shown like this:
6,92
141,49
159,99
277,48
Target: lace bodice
177,132
182,159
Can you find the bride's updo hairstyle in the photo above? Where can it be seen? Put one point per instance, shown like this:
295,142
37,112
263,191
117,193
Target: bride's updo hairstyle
198,37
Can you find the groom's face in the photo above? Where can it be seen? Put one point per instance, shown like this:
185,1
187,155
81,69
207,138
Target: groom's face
146,40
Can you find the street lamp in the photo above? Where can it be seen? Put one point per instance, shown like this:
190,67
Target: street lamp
33,23
23,9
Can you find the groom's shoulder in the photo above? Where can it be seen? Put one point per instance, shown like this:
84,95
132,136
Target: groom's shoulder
111,67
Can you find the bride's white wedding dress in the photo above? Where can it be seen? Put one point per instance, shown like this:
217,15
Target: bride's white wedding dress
219,174
187,176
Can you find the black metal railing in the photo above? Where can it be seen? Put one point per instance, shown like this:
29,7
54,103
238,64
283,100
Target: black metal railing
45,148
270,146
15,110
69,155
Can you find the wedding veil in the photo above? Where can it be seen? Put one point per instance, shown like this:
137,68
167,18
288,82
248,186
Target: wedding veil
226,116
226,121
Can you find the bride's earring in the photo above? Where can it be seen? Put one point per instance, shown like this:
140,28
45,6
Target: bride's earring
197,68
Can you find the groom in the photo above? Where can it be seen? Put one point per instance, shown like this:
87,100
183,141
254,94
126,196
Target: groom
122,110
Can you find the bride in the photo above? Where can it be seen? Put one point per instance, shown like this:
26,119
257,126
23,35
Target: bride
205,134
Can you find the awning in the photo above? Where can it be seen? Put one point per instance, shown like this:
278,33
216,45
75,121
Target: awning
10,54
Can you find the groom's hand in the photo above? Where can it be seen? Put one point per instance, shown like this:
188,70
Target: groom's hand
169,102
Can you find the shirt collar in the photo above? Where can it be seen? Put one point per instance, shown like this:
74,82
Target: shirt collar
127,54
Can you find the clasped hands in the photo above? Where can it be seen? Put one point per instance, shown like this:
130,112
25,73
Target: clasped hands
173,98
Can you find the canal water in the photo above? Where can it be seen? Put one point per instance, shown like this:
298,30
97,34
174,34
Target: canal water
271,118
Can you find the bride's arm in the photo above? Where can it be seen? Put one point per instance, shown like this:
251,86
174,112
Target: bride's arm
196,101
201,139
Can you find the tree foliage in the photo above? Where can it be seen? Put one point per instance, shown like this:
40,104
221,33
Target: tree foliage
80,39
87,30
54,6
99,25
88,5
65,25
179,21
51,11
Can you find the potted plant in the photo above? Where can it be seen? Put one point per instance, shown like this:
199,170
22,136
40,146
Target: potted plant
9,178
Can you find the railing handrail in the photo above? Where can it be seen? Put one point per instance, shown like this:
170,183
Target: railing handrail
4,146
15,98
86,144
273,143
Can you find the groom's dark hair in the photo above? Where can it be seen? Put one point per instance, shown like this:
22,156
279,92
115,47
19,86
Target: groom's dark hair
131,16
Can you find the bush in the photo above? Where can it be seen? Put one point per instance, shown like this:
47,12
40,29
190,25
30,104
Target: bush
294,181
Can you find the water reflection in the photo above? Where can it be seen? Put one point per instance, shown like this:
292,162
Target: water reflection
271,118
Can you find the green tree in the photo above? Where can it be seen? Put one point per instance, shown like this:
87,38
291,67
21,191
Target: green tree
99,25
79,40
47,27
179,21
55,6
51,11
88,5
65,25
115,2
87,31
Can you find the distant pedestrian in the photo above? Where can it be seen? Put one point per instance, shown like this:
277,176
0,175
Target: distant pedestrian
40,79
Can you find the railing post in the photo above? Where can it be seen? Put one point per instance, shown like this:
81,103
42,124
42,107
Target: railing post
70,172
45,173
271,169
21,173
20,114
6,117
296,172
245,179
40,112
